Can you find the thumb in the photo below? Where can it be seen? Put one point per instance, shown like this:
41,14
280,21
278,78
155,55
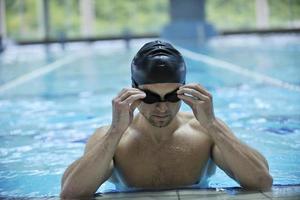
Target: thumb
134,105
186,100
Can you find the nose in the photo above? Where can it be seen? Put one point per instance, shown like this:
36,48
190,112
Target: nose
162,107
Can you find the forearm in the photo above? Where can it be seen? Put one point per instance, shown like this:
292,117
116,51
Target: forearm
245,164
92,168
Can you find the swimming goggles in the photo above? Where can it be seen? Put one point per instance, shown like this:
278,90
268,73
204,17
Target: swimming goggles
152,97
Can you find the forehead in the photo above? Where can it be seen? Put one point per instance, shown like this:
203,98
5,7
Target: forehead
160,88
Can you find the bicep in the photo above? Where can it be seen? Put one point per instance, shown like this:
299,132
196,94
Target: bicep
110,170
217,154
68,171
220,162
99,133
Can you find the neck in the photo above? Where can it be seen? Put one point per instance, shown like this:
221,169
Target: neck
157,134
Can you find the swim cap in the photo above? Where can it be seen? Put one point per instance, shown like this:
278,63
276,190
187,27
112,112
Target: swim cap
157,62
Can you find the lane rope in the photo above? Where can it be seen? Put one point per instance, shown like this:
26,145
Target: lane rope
187,53
39,72
214,62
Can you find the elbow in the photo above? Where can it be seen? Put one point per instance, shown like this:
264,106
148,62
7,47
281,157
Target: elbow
262,182
66,193
265,182
71,193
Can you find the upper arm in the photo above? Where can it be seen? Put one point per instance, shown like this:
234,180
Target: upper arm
218,158
68,171
220,162
98,135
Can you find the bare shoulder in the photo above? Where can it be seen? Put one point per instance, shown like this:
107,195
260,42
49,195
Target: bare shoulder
97,135
186,116
192,124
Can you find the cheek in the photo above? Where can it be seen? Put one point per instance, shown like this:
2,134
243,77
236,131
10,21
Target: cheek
145,108
174,107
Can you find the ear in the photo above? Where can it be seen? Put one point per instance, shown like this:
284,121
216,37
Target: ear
133,83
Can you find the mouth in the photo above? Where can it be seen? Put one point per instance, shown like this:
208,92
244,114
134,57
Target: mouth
160,116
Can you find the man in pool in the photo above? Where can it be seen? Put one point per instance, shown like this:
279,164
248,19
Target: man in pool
160,147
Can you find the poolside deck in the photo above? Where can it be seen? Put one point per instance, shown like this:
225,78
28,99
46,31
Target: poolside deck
277,192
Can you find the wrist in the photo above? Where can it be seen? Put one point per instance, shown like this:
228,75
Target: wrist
117,129
211,125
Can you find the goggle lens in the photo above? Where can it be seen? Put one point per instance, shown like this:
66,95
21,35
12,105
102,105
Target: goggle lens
154,98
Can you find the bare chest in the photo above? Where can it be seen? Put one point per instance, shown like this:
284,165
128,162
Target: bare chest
173,164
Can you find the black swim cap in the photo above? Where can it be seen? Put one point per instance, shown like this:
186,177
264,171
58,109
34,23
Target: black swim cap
157,62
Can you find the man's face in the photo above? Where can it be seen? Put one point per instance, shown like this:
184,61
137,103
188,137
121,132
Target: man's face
160,114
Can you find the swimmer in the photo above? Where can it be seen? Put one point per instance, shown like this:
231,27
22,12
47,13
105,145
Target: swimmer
160,147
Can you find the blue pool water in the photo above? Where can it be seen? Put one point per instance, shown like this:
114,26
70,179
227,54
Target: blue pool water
46,120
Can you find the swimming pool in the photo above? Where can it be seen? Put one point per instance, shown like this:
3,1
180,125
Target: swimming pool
51,101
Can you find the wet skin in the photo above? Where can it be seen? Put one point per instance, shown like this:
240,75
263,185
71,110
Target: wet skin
161,148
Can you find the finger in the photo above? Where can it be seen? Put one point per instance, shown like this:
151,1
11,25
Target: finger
194,93
124,90
134,105
133,98
188,100
128,93
197,87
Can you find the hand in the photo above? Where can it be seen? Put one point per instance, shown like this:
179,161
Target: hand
200,100
123,107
